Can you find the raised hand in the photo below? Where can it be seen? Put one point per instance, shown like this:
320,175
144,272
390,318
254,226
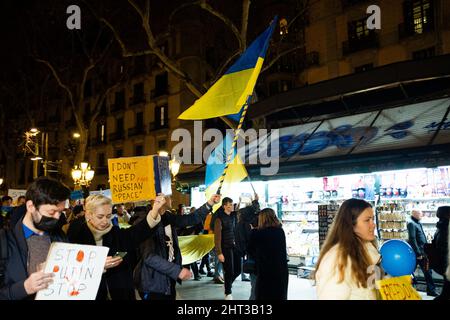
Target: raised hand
215,198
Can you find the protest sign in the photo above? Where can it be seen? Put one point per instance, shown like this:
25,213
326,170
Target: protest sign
138,178
398,288
15,193
78,270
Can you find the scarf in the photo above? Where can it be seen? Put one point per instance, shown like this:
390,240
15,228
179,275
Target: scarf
98,234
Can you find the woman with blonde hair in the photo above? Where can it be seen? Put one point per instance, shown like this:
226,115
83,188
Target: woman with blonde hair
97,229
267,245
348,252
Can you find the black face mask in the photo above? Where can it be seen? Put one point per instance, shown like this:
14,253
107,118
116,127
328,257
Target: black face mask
47,224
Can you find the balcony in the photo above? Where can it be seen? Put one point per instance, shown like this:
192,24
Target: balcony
97,142
159,93
312,59
152,126
115,136
136,131
137,100
358,44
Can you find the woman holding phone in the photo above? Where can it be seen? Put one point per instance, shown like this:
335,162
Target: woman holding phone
97,229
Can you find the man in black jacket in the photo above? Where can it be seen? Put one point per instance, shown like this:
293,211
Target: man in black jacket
417,240
225,244
30,238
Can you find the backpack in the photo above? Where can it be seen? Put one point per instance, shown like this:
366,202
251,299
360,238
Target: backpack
3,255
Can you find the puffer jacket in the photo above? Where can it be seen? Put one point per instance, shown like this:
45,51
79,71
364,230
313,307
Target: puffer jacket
154,273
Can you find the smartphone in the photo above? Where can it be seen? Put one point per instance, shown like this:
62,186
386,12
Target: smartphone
120,254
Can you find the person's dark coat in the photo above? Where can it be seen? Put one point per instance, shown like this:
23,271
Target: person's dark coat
248,219
16,265
154,273
416,236
441,243
118,280
268,247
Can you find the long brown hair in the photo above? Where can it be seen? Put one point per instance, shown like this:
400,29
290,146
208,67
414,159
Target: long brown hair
349,244
267,218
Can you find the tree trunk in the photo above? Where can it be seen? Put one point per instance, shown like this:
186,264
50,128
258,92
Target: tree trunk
82,155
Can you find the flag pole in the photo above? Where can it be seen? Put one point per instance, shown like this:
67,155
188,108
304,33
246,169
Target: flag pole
233,144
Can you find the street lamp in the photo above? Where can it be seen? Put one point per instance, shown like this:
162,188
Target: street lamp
82,175
1,181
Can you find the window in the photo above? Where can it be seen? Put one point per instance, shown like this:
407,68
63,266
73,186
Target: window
138,92
119,125
161,118
101,132
364,67
358,30
161,84
421,15
119,102
119,153
139,120
101,160
424,54
162,144
418,15
139,150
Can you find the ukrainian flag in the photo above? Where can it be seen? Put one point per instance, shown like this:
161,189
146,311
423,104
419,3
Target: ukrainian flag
215,166
231,91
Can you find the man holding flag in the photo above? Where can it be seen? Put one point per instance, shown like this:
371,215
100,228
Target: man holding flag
230,95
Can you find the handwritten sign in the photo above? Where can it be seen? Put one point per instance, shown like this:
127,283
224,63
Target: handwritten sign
138,178
15,193
398,288
78,270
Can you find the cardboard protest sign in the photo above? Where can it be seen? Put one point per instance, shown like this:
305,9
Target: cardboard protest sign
15,193
398,288
138,178
78,270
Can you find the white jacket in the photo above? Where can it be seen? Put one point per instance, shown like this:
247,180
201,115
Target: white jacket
327,277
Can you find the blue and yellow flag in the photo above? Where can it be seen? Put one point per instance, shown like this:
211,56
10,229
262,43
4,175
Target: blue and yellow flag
230,92
216,165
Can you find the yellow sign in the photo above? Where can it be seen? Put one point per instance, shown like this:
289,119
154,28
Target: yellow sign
138,178
398,288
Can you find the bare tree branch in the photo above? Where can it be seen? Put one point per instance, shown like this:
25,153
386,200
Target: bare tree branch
58,79
167,63
125,52
244,25
280,55
205,6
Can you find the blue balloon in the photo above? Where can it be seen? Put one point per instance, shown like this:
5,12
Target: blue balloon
397,258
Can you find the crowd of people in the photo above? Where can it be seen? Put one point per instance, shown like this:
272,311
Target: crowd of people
145,257
150,263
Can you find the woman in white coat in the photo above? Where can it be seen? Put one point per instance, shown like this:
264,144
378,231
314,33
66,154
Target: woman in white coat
349,254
